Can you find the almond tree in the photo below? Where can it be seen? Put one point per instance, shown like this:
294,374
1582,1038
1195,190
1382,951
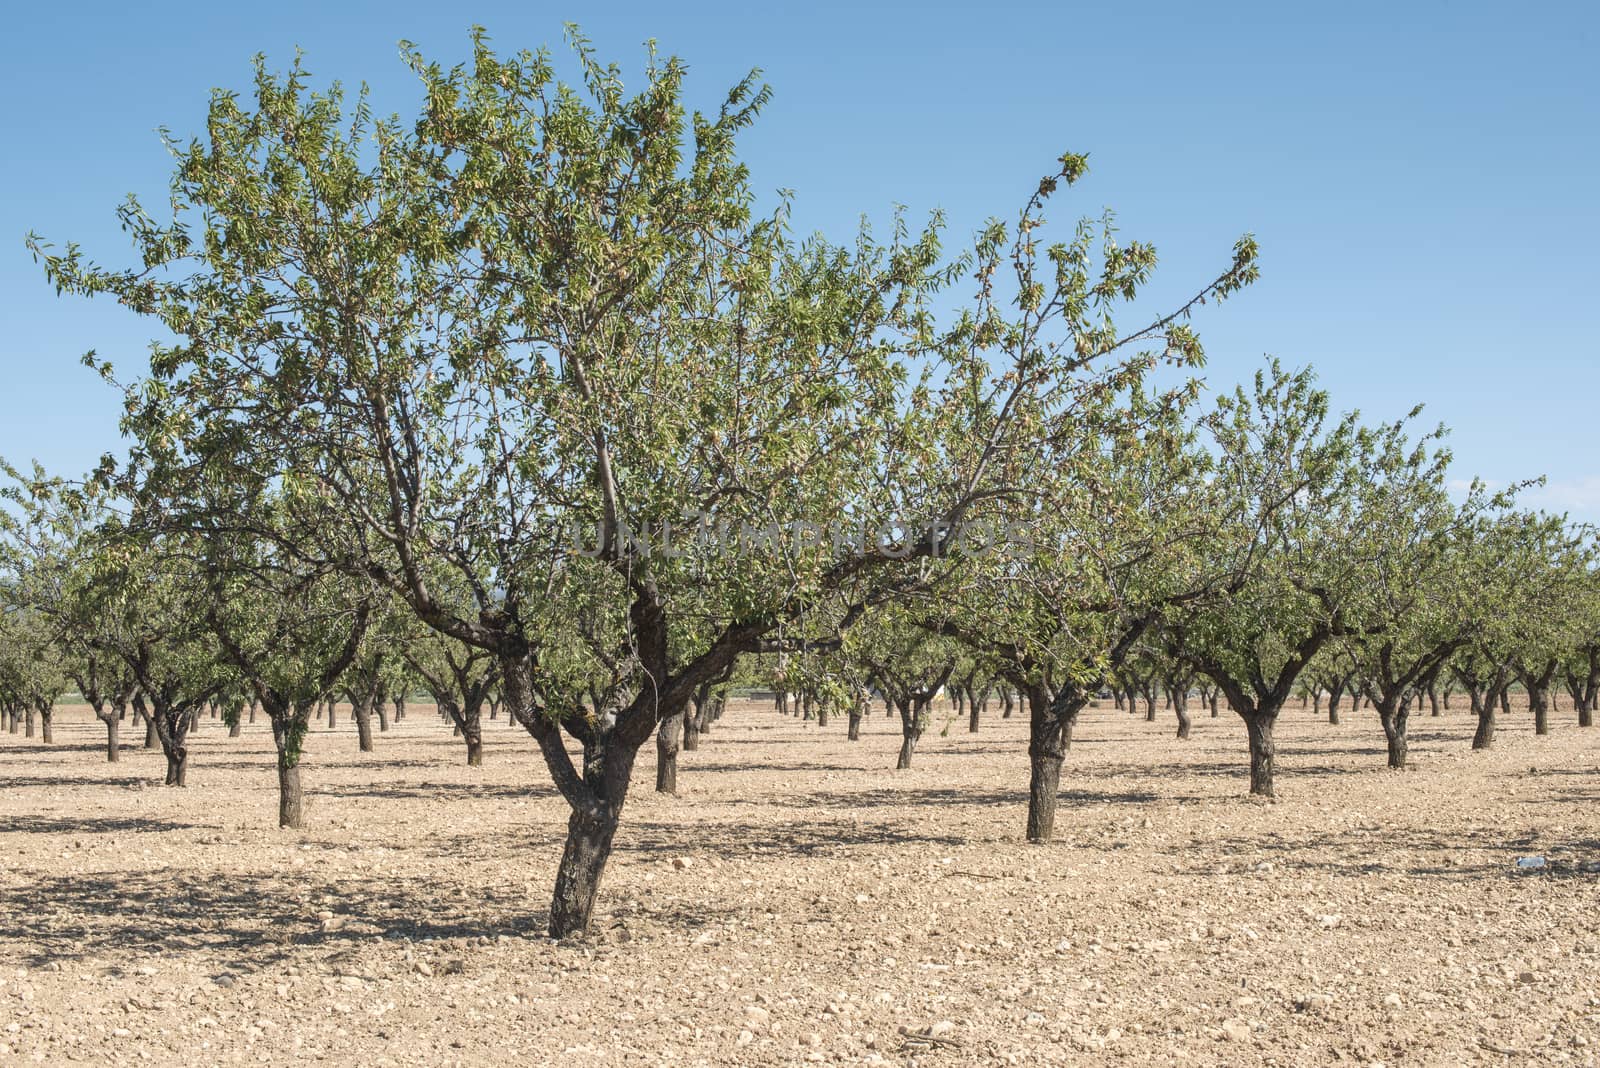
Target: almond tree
1581,671
46,545
1283,497
131,596
460,677
32,667
107,685
1060,611
291,631
544,315
1552,565
911,664
1419,598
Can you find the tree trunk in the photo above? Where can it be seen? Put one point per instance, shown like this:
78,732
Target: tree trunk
1335,695
113,741
382,709
361,711
152,739
911,728
1180,705
291,795
1586,712
668,735
1484,736
691,726
1538,700
1259,726
822,713
973,713
236,727
1044,787
1047,747
46,714
178,766
583,862
27,724
1394,716
854,734
1213,702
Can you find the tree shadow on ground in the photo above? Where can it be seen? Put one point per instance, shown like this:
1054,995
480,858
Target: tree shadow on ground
799,838
425,791
1416,853
98,825
56,782
250,920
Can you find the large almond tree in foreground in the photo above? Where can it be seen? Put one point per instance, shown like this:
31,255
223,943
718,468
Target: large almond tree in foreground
522,336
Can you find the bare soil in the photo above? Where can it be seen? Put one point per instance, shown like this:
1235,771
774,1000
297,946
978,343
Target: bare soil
800,902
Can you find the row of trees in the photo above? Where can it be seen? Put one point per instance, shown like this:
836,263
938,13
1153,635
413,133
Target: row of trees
526,398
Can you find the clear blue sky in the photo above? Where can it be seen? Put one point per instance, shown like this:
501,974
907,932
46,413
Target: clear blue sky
1421,176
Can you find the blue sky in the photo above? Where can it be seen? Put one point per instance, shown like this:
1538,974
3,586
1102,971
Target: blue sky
1421,176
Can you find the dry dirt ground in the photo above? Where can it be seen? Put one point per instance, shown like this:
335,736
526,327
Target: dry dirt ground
800,902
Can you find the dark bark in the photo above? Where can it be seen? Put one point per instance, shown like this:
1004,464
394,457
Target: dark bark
1044,788
46,716
1263,753
854,733
911,727
1180,705
291,797
113,741
1050,722
1483,738
583,863
361,712
1395,715
668,736
1537,682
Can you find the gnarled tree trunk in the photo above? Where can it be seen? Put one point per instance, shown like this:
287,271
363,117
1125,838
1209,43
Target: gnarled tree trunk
668,737
1263,753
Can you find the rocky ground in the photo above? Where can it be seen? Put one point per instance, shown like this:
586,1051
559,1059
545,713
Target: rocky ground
799,902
